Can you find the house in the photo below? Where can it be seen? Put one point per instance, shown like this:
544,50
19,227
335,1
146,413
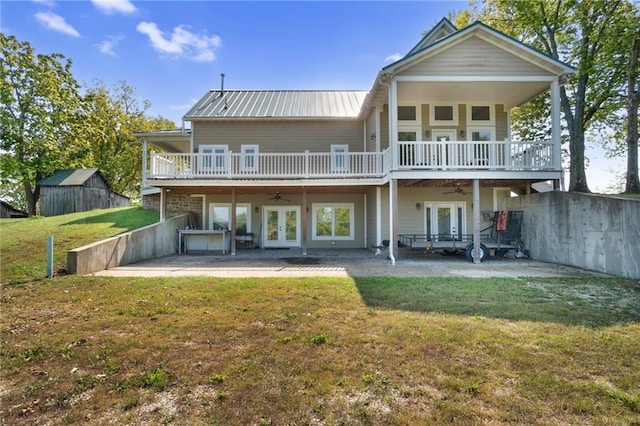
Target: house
8,211
78,190
427,150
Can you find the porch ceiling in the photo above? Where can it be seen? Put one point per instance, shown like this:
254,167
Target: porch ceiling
510,93
519,186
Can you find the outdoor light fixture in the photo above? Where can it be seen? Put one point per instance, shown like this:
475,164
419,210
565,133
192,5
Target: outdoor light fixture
462,133
256,209
417,206
427,133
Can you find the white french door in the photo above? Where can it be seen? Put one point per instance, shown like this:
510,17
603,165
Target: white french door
445,221
281,226
440,155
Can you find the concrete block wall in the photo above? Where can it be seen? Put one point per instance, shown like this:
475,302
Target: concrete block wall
159,239
583,230
177,203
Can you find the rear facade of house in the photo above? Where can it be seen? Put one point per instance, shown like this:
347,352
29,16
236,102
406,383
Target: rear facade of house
427,151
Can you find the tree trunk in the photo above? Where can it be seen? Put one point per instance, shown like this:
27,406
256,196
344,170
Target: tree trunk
32,201
577,173
633,96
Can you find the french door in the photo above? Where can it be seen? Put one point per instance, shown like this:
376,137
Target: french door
440,155
445,221
281,226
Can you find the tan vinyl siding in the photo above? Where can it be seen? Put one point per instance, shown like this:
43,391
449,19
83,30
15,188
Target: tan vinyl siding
384,128
501,123
474,57
289,136
370,136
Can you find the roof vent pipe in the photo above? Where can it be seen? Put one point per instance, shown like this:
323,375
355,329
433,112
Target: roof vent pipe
222,90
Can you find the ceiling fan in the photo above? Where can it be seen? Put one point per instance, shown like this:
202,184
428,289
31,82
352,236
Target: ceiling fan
278,197
457,190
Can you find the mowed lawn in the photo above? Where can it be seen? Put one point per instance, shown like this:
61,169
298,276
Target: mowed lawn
424,350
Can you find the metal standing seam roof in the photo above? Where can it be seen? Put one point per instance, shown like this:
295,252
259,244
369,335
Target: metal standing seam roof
312,104
75,177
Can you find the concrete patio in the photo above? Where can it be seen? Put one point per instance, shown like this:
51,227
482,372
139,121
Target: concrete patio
334,263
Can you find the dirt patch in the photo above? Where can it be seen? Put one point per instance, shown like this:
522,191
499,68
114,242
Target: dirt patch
302,260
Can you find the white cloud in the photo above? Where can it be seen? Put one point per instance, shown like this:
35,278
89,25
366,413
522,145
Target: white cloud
393,58
184,106
49,3
107,46
115,6
181,43
56,23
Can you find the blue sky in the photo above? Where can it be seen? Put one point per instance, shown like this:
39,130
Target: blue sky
172,52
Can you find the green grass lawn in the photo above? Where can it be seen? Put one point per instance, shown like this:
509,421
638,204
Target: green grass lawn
432,350
23,242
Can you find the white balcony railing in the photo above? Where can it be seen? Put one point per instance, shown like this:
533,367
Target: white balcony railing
492,155
455,155
266,166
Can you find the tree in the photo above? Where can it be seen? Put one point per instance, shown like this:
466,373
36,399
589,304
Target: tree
39,107
584,34
633,102
111,118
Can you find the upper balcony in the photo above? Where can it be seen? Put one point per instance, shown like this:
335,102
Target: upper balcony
452,156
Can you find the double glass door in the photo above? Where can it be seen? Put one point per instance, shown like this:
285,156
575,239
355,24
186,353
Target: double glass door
282,226
445,221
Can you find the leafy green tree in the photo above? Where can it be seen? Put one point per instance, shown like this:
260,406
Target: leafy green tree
112,115
39,113
584,33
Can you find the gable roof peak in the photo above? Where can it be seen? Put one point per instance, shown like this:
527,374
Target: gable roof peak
440,30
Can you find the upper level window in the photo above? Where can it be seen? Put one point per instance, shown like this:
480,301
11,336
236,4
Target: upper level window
443,115
339,158
213,158
249,162
480,114
409,114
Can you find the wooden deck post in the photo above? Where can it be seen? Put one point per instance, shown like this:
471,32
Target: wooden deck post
305,215
233,221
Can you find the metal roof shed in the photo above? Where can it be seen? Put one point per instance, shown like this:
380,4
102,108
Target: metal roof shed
79,190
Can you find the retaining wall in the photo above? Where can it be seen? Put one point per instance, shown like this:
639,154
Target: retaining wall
159,239
587,231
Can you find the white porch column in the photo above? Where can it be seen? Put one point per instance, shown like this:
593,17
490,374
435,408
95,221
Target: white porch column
555,124
378,219
144,164
163,204
393,123
476,221
393,221
378,129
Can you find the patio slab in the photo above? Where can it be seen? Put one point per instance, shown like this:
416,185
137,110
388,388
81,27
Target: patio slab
336,263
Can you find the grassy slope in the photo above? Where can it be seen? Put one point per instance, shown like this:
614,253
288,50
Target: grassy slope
23,242
91,350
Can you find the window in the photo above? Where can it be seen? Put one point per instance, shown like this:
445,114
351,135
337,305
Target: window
339,158
409,114
481,151
443,114
480,114
333,221
213,157
249,158
220,217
